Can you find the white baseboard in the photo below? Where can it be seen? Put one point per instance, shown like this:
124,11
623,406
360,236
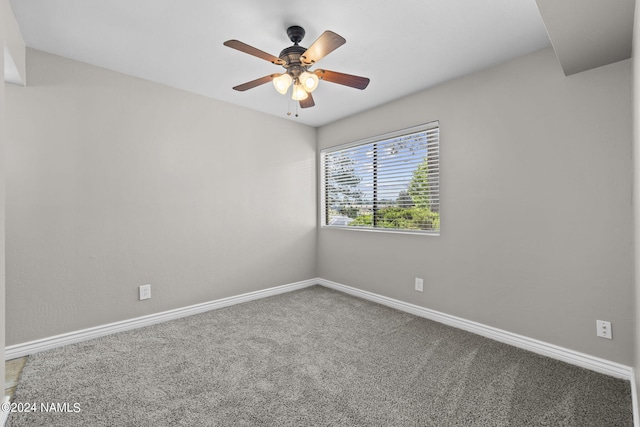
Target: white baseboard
36,346
3,416
550,350
556,352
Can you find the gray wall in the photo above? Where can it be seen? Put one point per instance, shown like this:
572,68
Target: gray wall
11,40
3,127
535,202
636,188
116,182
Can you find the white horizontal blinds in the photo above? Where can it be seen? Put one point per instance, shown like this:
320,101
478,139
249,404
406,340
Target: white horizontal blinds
346,177
391,183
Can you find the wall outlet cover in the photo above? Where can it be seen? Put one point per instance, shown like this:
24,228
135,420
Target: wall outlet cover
145,292
603,329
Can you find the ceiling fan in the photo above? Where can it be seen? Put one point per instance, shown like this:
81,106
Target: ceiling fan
297,62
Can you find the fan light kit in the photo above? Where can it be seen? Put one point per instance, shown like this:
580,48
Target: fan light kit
297,62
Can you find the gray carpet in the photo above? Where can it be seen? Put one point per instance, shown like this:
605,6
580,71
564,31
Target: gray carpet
313,357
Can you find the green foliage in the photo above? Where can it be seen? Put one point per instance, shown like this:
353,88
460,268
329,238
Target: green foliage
362,221
405,200
350,211
419,185
414,218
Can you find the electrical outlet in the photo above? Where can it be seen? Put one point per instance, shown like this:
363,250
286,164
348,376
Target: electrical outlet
419,284
603,329
145,292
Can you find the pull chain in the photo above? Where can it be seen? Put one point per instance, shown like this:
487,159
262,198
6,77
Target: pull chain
289,104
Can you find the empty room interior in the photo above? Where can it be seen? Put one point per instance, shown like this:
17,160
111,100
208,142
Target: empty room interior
428,226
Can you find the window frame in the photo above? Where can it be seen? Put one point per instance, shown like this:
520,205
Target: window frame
372,140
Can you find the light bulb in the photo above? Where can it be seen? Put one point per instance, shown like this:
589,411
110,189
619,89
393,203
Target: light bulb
299,93
309,81
282,83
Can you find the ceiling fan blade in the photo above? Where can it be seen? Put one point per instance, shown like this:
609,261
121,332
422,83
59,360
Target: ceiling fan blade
256,82
243,47
324,45
306,103
342,78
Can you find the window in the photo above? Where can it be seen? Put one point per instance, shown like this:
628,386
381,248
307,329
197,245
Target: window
390,182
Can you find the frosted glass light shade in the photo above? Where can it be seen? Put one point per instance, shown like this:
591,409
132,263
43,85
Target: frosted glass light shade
309,81
299,93
282,83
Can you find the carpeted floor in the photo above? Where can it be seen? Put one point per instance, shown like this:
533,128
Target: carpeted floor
313,357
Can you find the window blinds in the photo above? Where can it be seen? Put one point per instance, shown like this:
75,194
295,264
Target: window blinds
390,182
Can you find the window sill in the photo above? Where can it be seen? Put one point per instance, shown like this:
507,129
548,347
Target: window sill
381,230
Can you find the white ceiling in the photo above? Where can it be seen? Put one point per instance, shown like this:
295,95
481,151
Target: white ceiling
402,46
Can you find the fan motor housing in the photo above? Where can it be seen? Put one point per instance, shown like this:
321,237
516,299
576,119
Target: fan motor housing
292,52
291,55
